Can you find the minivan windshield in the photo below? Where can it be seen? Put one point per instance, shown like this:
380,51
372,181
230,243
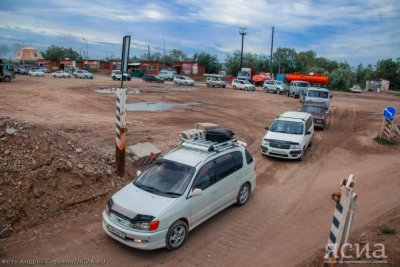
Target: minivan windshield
166,178
288,127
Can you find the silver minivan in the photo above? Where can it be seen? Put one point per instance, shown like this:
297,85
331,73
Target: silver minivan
178,192
274,86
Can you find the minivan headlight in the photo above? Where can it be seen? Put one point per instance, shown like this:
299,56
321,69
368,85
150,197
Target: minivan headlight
148,226
295,147
265,143
145,222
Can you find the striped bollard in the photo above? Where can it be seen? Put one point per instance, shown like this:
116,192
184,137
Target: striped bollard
120,129
346,201
386,129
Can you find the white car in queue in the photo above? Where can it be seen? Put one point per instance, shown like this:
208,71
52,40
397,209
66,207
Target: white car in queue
289,135
178,192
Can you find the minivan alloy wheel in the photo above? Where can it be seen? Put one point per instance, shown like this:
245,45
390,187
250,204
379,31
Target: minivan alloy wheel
243,195
176,235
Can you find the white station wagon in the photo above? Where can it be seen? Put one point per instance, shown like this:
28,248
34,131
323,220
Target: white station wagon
178,192
289,135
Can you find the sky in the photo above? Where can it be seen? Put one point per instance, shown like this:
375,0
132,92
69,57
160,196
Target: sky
359,31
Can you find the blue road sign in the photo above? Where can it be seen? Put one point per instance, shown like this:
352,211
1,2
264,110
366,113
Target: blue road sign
389,112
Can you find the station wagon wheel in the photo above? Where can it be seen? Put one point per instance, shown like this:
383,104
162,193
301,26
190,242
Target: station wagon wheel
177,235
278,92
302,155
243,195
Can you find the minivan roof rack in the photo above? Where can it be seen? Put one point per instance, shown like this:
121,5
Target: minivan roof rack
291,118
205,145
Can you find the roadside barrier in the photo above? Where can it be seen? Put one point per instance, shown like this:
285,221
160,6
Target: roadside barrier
386,130
339,234
120,131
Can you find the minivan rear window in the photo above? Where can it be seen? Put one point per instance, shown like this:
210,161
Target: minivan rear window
320,94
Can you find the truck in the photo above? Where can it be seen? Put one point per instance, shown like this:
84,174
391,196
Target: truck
315,78
260,78
6,72
245,73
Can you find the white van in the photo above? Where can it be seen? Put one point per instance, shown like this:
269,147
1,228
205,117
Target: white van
167,74
289,136
317,95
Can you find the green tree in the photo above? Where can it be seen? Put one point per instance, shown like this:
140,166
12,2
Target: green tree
209,61
389,70
323,65
232,62
59,53
342,78
362,74
176,55
305,60
285,60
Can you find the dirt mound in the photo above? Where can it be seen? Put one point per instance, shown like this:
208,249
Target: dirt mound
43,171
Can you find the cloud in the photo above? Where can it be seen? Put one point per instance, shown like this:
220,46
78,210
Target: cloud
340,29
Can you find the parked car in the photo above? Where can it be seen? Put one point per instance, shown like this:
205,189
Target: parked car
183,80
316,94
297,88
83,74
22,71
274,86
117,75
320,114
215,82
36,72
178,192
44,69
61,74
355,89
289,136
152,78
167,74
243,84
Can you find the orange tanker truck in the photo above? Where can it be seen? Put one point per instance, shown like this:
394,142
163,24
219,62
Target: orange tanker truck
317,78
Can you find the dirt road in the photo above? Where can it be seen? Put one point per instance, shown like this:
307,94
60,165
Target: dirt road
288,217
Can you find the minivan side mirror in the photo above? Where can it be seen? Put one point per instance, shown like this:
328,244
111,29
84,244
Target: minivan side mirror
308,132
196,192
267,128
330,96
138,173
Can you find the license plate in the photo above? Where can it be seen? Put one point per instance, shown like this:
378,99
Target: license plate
278,152
116,232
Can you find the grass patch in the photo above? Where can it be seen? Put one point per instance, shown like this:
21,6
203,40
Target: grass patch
383,141
387,230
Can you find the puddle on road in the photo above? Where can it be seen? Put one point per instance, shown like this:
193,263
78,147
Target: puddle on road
154,106
134,91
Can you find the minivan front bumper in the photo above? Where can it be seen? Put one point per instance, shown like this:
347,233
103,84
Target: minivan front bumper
136,239
281,153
